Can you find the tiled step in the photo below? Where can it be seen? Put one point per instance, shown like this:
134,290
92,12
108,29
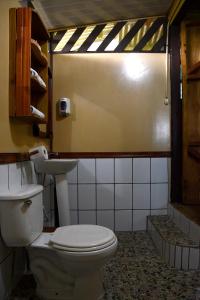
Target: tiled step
175,246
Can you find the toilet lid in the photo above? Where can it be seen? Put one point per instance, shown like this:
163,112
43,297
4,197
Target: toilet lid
82,237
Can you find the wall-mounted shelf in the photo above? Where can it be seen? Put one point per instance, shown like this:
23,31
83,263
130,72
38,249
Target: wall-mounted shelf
194,152
194,68
28,49
36,87
39,57
193,77
190,47
192,72
32,119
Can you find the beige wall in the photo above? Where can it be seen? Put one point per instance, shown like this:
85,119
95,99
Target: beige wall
117,103
15,136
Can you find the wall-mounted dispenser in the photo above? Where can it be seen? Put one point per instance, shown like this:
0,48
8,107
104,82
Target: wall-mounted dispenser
64,107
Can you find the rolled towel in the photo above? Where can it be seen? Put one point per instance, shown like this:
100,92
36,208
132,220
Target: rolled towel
37,112
34,74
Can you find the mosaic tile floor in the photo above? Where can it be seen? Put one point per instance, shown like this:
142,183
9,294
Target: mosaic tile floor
170,232
135,273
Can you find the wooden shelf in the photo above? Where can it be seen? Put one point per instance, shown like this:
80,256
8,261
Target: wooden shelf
194,152
193,77
38,30
36,87
32,119
191,74
28,49
194,68
38,55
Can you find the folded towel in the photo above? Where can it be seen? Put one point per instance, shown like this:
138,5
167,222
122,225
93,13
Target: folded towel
35,75
37,112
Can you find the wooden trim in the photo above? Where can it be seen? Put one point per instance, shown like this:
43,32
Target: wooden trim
23,61
12,61
175,9
176,115
49,229
50,95
39,31
111,154
194,152
7,158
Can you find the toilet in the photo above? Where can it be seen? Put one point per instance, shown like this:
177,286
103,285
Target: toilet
67,263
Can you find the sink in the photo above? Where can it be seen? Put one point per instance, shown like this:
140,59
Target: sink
57,166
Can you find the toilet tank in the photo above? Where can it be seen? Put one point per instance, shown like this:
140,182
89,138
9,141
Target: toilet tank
21,215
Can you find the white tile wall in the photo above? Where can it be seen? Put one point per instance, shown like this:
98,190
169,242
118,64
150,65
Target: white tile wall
141,196
46,202
105,170
86,196
159,170
105,196
172,254
28,172
4,177
178,258
140,219
123,196
141,170
121,185
106,218
123,170
185,258
72,175
86,171
73,196
15,176
123,220
194,258
159,195
74,217
87,217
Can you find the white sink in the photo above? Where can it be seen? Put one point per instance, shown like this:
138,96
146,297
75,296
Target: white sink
57,166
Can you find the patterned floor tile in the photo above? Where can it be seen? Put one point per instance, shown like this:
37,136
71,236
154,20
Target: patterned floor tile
135,273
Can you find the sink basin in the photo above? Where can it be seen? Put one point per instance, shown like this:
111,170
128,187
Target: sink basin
57,166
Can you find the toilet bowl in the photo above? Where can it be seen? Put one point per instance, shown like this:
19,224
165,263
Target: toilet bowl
66,264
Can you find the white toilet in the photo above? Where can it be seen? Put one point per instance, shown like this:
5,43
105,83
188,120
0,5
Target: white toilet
67,264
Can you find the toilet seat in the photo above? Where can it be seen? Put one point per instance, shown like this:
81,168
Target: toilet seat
82,238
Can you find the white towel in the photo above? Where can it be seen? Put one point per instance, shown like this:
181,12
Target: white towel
37,112
35,75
